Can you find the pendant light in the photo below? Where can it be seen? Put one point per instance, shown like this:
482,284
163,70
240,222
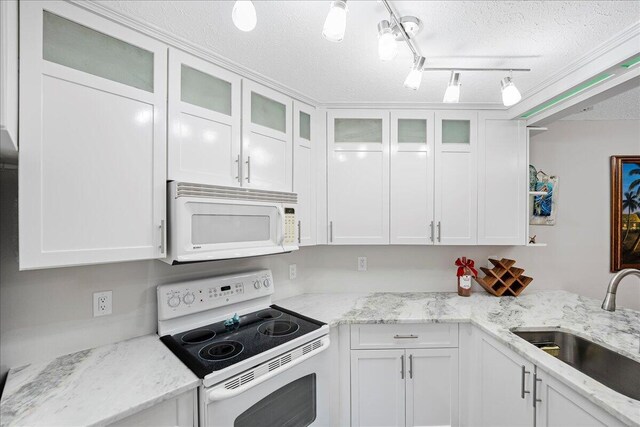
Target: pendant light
387,45
452,94
510,93
336,22
414,78
244,15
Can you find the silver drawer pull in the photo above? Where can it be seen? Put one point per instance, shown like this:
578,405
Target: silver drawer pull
402,337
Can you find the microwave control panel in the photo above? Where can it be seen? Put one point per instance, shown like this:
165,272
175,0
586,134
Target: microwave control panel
289,226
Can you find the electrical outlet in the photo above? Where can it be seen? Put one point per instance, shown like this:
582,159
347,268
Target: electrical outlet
362,263
293,271
102,303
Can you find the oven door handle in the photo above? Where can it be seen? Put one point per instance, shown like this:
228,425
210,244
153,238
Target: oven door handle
219,392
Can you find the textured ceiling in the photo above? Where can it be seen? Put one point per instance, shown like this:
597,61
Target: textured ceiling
625,106
287,45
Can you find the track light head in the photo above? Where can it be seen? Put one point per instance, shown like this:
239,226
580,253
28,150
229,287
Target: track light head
336,22
510,93
452,94
387,46
244,15
414,78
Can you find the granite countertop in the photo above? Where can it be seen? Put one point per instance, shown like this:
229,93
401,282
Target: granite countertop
122,378
619,331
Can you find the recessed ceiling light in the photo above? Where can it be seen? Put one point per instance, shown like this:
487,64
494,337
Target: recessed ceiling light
414,78
336,22
452,94
244,15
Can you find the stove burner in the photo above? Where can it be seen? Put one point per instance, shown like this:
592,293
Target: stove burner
198,336
269,314
278,328
221,351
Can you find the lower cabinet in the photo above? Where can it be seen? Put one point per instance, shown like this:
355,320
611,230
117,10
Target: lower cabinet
404,387
180,411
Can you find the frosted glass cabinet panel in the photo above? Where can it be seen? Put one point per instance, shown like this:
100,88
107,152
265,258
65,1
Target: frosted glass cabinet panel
304,173
305,126
68,43
412,172
456,131
358,177
204,122
268,112
205,90
267,138
93,153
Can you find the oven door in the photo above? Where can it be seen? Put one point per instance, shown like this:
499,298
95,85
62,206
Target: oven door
296,397
222,229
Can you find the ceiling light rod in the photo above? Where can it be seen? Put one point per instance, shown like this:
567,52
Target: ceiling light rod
405,36
474,69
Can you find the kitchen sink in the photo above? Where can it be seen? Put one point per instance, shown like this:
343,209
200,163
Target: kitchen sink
614,370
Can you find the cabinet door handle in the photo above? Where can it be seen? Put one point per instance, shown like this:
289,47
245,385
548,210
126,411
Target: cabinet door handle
248,162
411,366
402,337
439,232
330,231
238,169
522,385
402,366
431,226
535,389
162,237
299,232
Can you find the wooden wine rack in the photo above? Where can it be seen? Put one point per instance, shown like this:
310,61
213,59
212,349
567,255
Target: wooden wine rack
503,278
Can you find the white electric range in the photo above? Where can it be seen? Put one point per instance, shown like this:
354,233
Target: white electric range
260,364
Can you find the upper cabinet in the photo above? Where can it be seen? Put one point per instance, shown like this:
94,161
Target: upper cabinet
304,172
412,174
204,133
456,202
502,182
9,80
267,143
92,176
358,176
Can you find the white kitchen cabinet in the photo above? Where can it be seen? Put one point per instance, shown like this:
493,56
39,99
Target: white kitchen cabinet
432,387
412,174
502,181
377,388
358,176
181,411
304,172
9,79
456,200
267,143
559,406
204,122
505,386
92,176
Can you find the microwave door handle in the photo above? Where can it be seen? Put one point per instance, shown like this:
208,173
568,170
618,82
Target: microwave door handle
281,226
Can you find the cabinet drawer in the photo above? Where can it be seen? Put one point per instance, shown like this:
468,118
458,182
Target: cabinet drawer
404,335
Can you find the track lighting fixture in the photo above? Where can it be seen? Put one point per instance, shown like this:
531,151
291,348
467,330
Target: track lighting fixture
414,78
452,94
387,46
336,22
510,93
244,15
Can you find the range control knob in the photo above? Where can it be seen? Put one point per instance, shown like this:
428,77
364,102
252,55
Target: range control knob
173,301
266,283
189,298
256,284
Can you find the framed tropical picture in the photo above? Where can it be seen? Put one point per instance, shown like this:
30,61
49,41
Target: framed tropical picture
625,212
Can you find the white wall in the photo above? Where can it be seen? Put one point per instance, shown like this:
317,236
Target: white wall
48,312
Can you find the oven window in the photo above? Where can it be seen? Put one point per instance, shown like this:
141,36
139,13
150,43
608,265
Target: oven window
214,229
293,405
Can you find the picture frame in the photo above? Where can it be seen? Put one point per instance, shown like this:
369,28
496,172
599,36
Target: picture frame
625,212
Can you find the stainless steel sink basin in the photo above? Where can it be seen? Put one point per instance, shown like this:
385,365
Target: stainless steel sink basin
614,370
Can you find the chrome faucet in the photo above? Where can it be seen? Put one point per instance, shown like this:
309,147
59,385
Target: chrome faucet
609,302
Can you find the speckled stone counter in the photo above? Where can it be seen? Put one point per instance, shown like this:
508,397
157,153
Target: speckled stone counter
619,331
94,387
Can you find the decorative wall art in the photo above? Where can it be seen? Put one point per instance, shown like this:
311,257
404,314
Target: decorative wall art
545,206
625,212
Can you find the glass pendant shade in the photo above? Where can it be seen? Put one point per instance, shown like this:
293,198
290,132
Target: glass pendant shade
387,45
244,15
414,78
336,22
452,94
510,93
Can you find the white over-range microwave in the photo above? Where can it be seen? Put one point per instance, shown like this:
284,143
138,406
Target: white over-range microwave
207,222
